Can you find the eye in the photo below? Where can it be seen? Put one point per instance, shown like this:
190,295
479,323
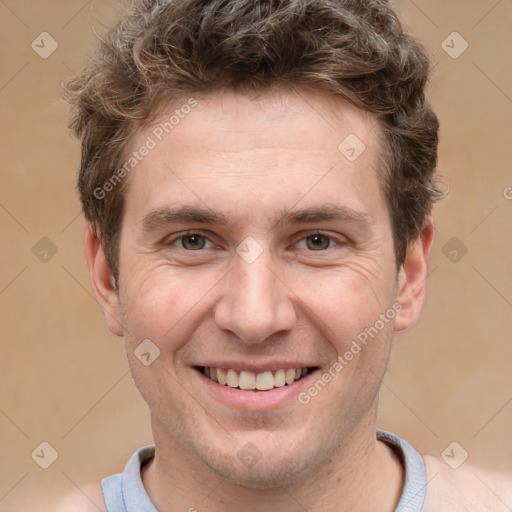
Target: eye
191,241
319,242
313,242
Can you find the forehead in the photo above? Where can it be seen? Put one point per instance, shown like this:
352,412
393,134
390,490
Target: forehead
269,152
318,119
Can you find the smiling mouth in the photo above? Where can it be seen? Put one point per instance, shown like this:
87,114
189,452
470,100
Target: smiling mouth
249,381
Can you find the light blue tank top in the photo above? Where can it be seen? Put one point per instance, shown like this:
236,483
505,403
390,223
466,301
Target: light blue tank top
124,492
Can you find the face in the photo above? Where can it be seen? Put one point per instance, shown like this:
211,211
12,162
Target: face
255,254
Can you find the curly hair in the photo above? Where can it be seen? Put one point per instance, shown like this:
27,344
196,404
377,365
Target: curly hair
166,50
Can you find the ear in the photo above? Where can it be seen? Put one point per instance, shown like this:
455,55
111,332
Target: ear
412,277
102,282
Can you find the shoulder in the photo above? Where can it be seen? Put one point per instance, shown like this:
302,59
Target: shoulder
88,498
466,489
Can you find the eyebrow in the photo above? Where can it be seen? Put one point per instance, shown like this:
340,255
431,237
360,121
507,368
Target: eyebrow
202,215
322,213
165,215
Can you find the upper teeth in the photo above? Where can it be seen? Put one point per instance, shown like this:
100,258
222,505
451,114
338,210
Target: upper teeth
249,380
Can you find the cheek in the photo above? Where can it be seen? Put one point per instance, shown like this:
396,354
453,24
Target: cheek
344,302
161,304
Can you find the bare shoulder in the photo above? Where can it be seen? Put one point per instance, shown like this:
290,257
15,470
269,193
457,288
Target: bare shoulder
89,498
466,489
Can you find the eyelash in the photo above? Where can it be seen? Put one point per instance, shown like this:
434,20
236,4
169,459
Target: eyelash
190,233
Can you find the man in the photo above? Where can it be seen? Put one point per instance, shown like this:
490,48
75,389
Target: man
258,178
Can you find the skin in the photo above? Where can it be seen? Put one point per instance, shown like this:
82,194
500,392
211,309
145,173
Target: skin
251,159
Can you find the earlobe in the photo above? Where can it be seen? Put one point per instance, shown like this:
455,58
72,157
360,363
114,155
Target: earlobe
103,282
412,277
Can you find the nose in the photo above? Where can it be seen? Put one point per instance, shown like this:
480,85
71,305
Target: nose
255,302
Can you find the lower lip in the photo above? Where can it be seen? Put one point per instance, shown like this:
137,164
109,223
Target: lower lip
254,400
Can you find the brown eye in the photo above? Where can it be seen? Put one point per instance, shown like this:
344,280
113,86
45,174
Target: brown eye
193,242
318,242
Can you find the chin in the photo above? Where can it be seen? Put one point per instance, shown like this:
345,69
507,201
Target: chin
275,469
266,477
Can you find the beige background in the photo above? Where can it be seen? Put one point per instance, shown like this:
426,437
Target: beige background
64,378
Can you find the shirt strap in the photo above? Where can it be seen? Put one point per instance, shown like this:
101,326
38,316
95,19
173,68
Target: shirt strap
415,485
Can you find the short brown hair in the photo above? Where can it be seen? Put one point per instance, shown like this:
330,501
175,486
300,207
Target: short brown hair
162,50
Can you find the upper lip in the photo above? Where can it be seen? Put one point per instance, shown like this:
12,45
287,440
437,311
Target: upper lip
254,367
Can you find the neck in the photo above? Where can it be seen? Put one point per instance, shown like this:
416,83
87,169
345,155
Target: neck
363,474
